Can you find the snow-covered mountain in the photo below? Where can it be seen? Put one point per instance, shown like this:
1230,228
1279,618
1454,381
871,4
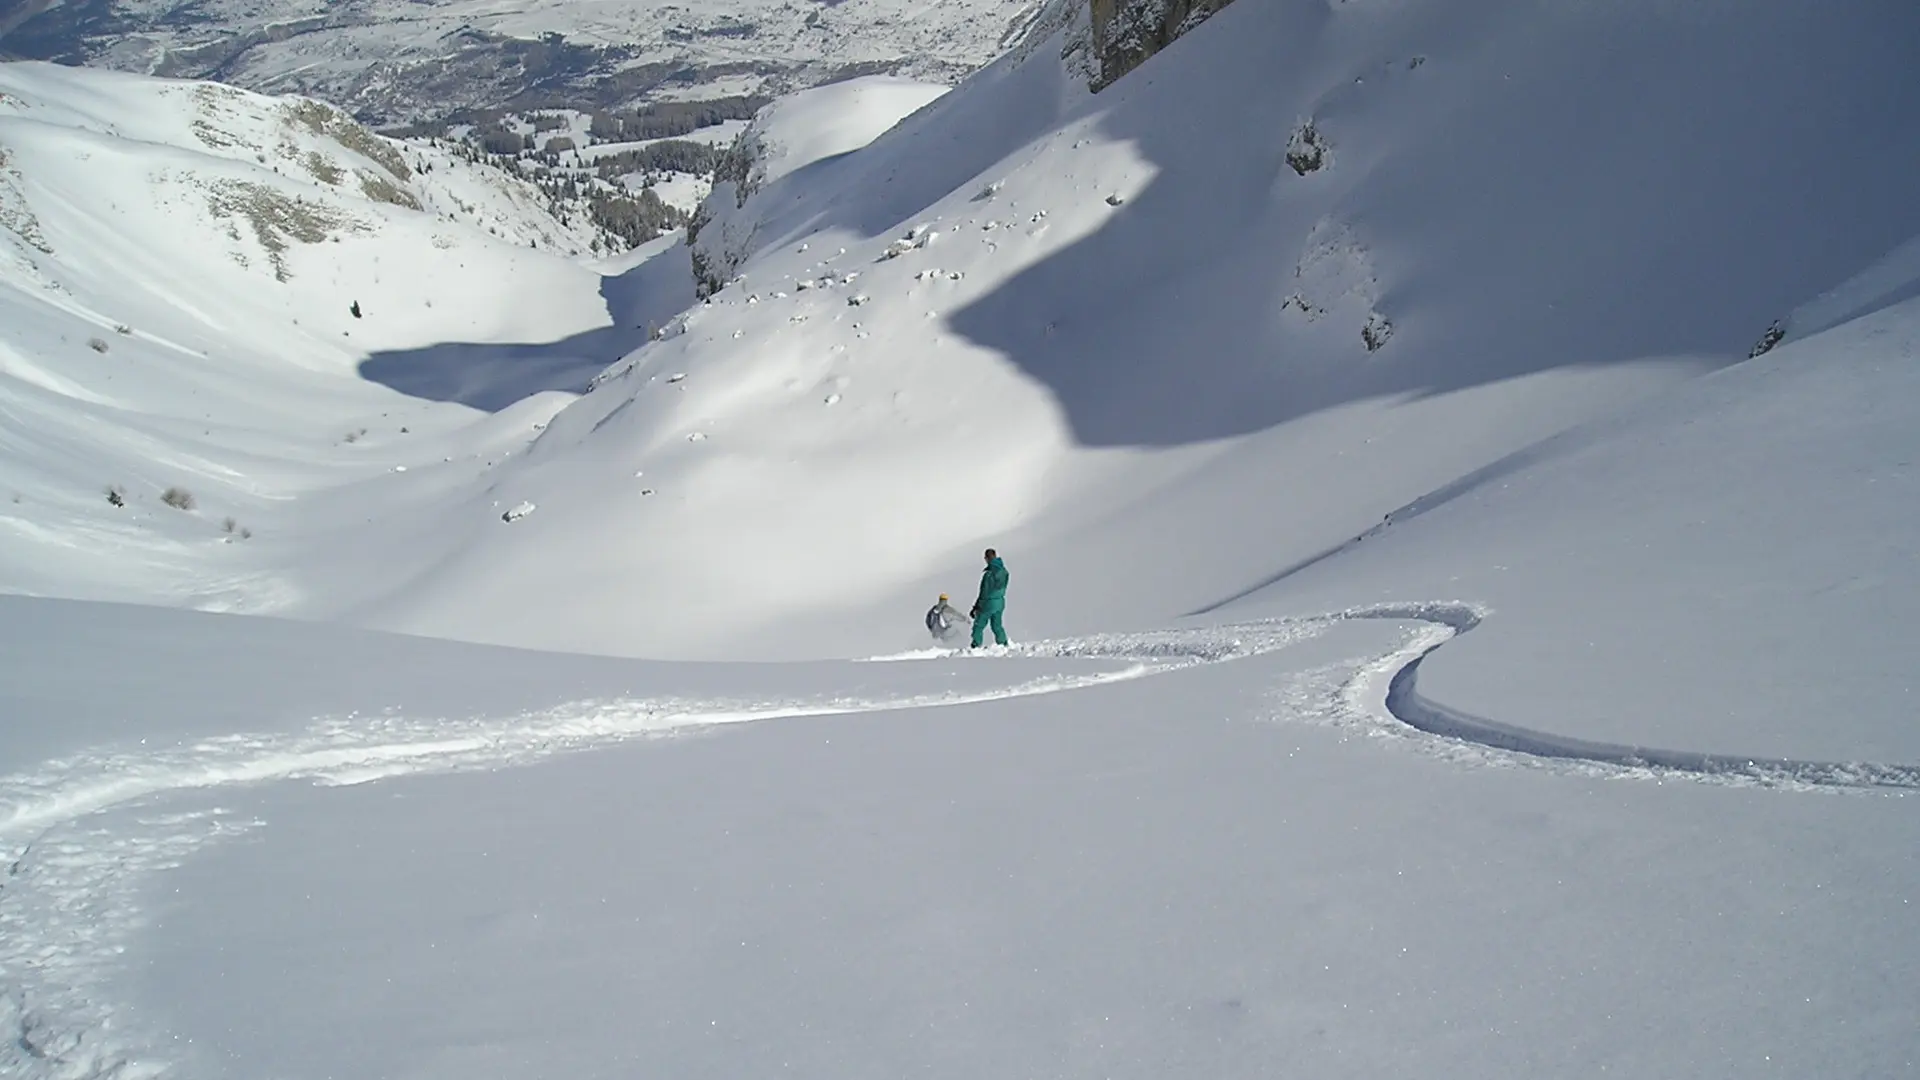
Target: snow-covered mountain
1208,317
1455,461
1301,269
391,61
245,300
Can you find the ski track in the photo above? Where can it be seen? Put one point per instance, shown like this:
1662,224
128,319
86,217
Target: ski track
69,896
1380,697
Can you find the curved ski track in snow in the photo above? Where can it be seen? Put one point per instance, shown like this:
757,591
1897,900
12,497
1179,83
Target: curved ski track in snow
1445,621
68,899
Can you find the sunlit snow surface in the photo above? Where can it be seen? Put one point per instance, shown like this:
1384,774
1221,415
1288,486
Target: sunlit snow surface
88,830
1529,696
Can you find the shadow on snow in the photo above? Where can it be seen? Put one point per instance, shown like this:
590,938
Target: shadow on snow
1526,234
492,376
1674,224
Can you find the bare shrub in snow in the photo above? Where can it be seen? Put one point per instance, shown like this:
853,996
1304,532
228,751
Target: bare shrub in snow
1377,332
277,220
323,170
98,345
325,120
1774,335
1297,302
15,215
116,495
380,189
179,498
217,138
1306,149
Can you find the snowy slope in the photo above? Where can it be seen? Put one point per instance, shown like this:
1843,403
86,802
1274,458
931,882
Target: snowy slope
1127,341
1207,851
801,137
179,266
1528,696
1735,563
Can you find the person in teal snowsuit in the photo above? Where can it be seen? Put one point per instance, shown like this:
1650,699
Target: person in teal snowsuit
992,603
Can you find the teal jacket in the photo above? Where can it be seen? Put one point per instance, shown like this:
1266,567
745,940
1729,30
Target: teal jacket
993,587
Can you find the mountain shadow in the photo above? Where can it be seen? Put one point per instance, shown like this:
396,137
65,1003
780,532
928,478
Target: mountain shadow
1579,188
492,376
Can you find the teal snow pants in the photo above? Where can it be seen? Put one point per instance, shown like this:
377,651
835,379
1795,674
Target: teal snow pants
989,616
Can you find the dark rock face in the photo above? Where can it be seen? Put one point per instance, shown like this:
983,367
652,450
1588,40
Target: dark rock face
1127,32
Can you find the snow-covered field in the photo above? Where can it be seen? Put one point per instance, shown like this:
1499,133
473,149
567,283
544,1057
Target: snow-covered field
1439,650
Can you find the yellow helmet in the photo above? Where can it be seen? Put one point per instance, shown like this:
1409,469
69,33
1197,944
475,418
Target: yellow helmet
943,598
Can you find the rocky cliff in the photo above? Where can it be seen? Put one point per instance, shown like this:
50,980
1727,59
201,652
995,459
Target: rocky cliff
1127,32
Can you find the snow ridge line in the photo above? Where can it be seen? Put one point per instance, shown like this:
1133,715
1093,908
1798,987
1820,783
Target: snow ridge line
1404,702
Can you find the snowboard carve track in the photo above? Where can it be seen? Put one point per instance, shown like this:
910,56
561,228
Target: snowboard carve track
1404,702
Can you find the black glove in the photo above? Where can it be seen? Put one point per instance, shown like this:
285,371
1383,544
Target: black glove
975,613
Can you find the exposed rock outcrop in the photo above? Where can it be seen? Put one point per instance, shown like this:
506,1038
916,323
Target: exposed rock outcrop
719,235
1127,32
